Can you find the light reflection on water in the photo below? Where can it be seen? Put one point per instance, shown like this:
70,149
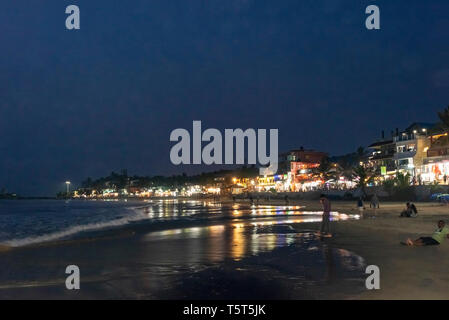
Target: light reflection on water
205,234
309,263
239,231
234,240
190,208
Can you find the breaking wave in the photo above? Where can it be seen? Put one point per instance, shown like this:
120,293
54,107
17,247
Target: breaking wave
20,242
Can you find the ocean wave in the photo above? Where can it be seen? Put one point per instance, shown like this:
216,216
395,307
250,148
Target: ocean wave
20,242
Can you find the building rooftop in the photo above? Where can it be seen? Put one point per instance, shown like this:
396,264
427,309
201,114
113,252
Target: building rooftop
380,143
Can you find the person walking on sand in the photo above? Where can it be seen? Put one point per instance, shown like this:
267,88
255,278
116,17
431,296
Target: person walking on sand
325,221
436,239
360,206
374,202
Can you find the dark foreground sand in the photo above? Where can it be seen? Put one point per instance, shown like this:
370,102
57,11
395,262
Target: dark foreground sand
406,272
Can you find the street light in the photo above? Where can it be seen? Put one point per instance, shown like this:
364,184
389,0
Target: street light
68,187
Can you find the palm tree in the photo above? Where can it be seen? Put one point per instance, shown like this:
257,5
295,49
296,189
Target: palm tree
444,118
360,153
345,169
323,170
402,180
364,176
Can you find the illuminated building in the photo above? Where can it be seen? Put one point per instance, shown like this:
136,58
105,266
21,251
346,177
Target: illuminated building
405,152
411,146
381,158
435,166
297,169
300,155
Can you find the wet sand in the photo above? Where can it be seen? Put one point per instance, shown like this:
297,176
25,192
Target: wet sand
406,272
235,264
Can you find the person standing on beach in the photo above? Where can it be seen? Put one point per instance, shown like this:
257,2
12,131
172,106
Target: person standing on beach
360,206
374,202
324,230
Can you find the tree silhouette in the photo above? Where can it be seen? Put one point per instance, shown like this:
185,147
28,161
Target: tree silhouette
364,176
444,118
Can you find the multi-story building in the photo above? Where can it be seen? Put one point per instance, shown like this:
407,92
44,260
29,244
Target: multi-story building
405,152
382,156
435,166
411,147
295,160
298,165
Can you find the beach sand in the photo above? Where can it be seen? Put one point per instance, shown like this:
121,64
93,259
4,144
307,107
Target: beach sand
405,272
37,272
4,248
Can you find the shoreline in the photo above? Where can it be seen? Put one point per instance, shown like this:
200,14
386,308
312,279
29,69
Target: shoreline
406,273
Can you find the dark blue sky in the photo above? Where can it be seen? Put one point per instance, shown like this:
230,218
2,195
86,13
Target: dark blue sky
83,103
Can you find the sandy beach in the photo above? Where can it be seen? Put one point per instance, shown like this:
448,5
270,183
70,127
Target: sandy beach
406,272
206,260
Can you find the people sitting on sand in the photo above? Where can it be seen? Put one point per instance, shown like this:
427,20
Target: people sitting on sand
410,211
437,237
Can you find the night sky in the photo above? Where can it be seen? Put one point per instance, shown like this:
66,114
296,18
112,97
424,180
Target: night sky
82,103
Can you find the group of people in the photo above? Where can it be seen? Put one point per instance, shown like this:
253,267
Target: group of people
441,232
374,203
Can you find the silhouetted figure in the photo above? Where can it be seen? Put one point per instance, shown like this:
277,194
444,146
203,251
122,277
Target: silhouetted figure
360,206
374,202
325,221
410,211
